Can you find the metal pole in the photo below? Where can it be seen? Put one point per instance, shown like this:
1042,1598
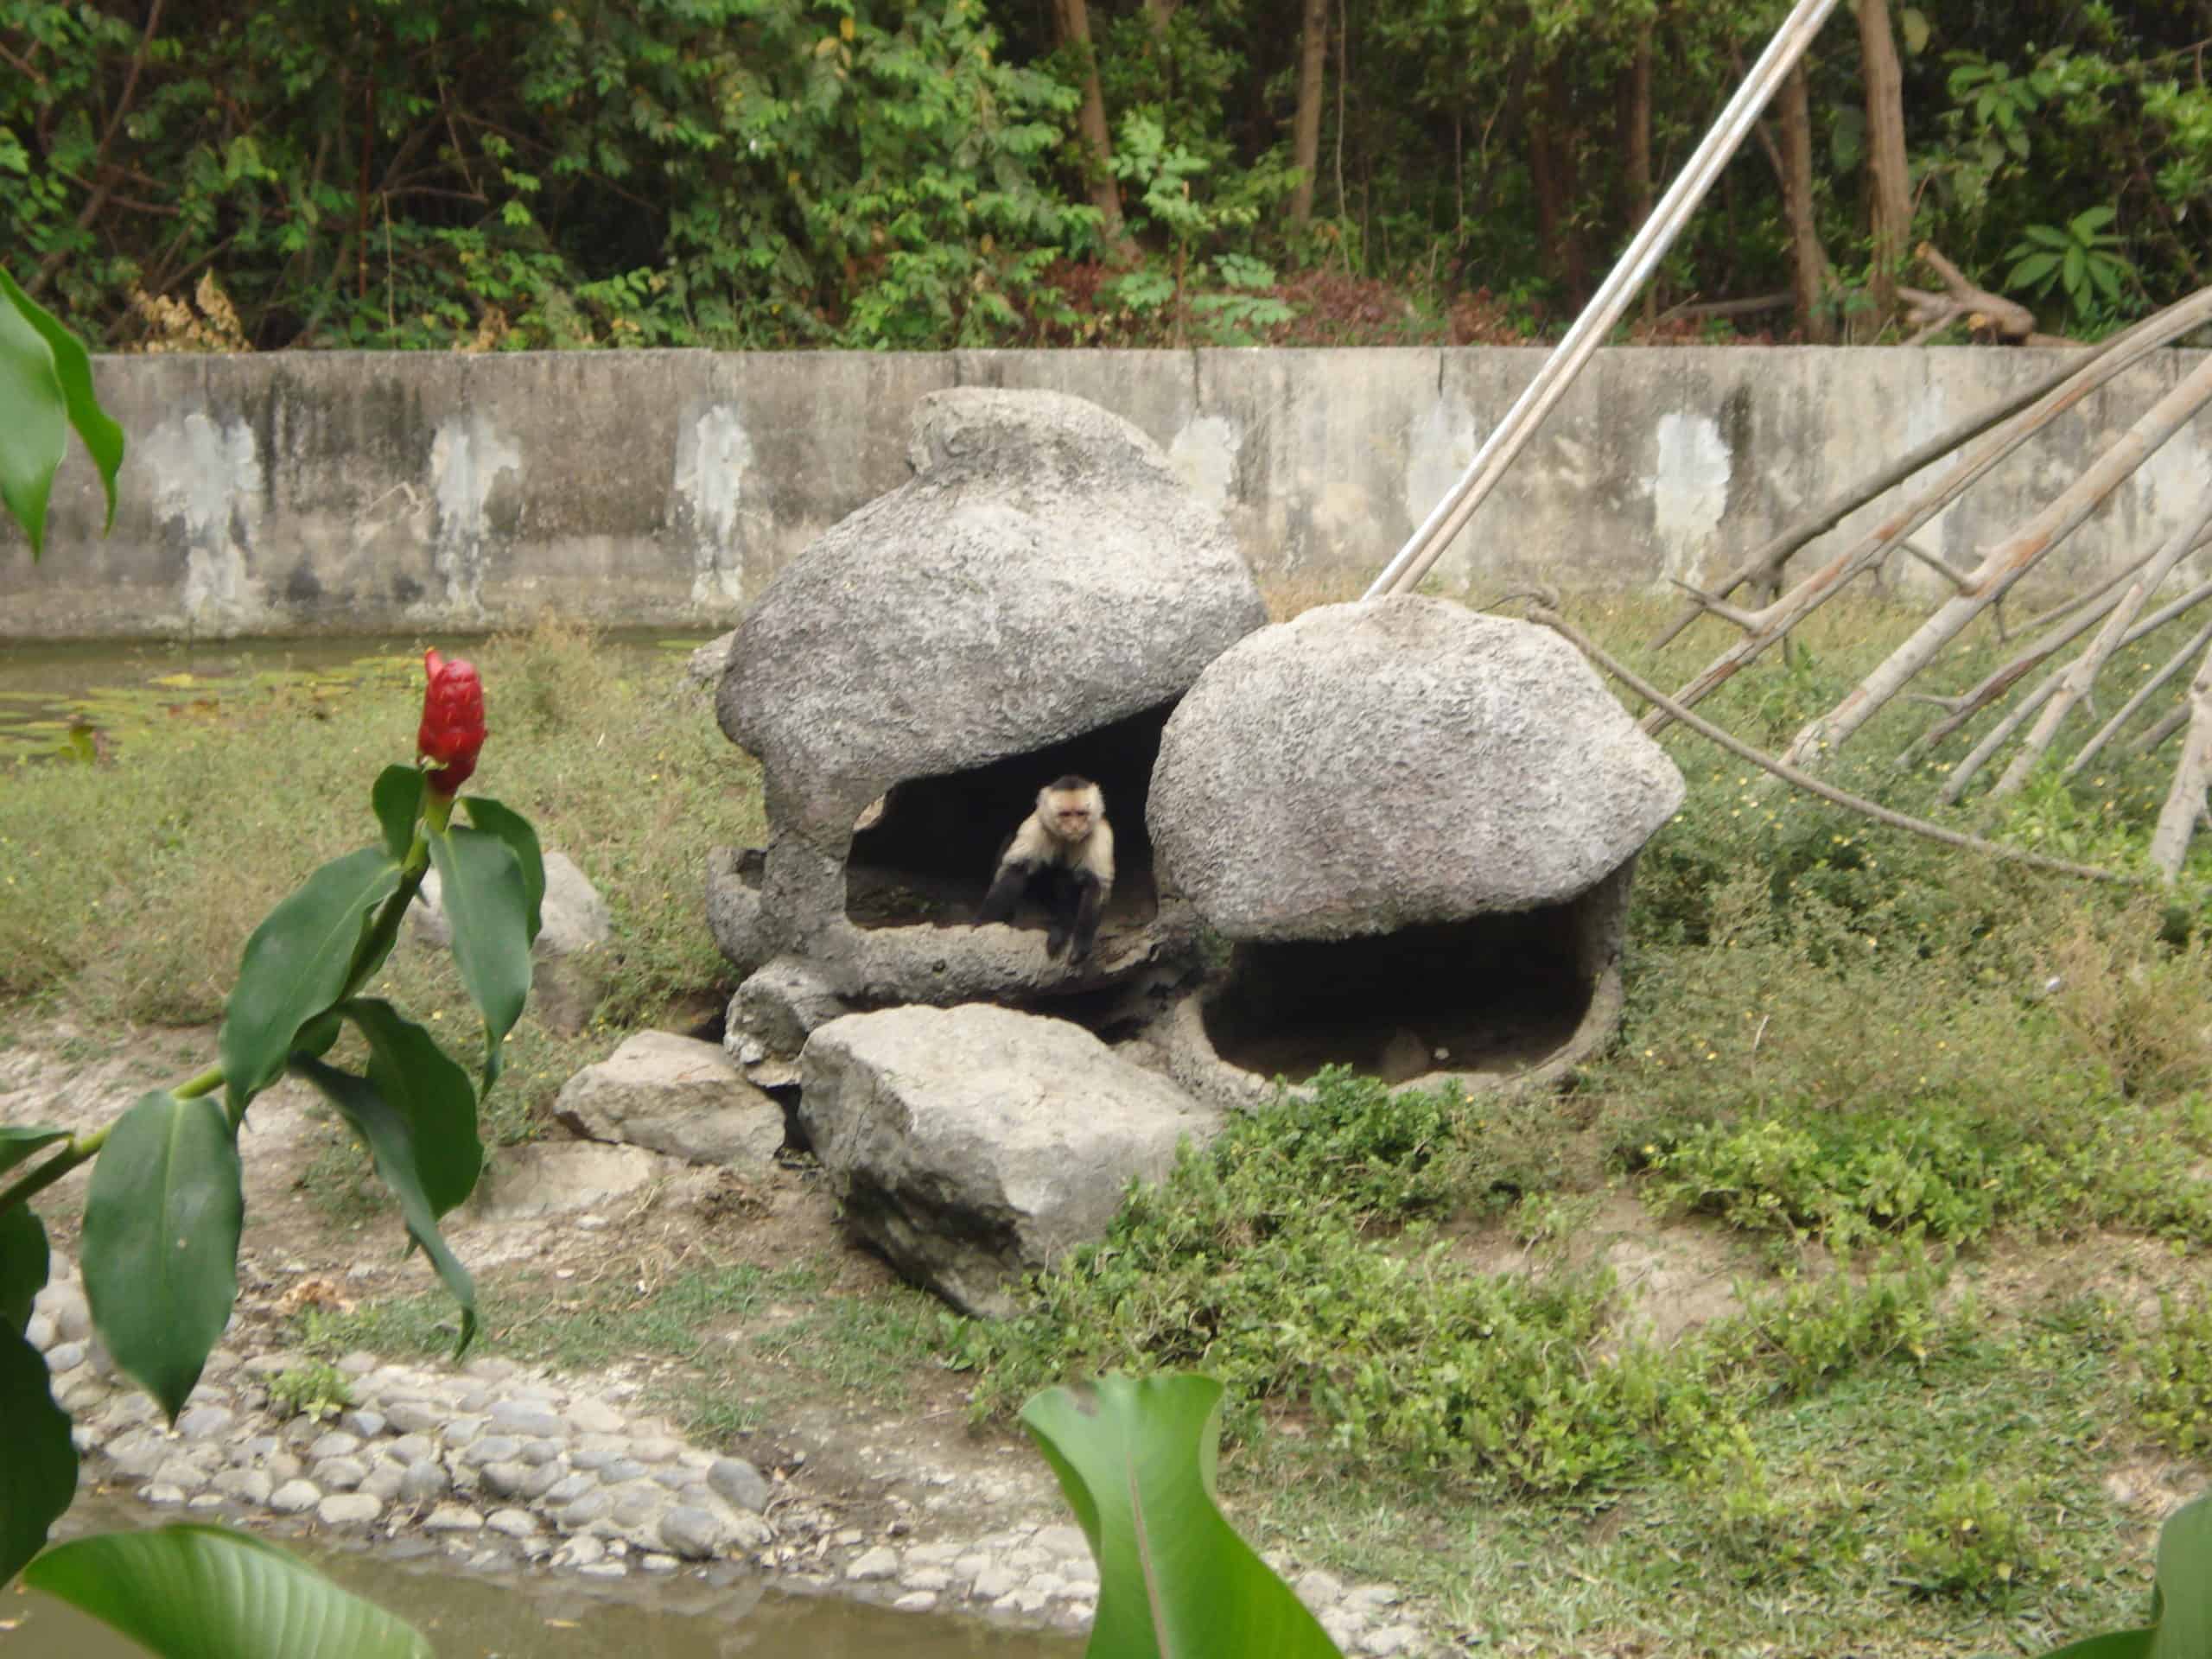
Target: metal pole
1621,285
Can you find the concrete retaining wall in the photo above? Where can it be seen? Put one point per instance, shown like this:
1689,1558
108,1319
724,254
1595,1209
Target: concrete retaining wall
353,492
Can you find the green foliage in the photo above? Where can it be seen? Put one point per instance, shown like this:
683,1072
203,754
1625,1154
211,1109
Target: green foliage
2081,256
45,387
161,1241
208,1593
490,904
1136,1460
2173,1387
1972,1541
314,1389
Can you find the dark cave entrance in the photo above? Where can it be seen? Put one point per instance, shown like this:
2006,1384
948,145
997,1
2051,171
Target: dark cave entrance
1495,995
927,858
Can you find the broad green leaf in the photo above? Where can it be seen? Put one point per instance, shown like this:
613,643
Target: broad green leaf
432,1092
208,1593
390,1139
2071,271
38,1461
1914,22
2184,1583
480,885
295,966
19,1141
35,431
161,1240
2113,1644
73,368
2091,219
23,1261
1135,1457
397,797
2107,273
512,827
2049,235
2036,268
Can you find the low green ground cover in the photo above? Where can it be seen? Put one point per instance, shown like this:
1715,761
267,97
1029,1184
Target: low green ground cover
1954,1115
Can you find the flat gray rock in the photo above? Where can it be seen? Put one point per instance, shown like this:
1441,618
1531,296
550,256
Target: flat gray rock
677,1095
975,1144
1373,766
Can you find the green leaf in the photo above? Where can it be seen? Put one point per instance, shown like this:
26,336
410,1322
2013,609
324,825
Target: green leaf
295,966
397,797
208,1593
427,1087
35,433
2071,270
73,368
2184,1583
390,1138
19,1141
2036,268
161,1240
22,1267
480,885
1135,1457
2091,218
1914,22
38,1461
2113,1644
512,827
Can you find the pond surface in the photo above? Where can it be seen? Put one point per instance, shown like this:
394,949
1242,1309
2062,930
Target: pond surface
546,1615
99,696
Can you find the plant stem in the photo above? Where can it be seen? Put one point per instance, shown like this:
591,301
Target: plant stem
81,1149
206,1083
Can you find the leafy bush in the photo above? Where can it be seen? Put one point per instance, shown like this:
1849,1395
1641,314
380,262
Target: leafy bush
1972,1541
2173,1385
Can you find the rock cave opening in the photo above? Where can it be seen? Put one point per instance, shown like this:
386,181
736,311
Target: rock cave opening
1496,996
927,856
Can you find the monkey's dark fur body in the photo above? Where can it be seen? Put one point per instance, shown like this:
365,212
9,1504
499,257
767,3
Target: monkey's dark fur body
1067,846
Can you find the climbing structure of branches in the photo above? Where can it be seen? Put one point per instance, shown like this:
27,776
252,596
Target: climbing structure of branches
2057,673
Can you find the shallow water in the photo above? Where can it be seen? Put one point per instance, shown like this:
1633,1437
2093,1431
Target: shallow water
105,695
546,1615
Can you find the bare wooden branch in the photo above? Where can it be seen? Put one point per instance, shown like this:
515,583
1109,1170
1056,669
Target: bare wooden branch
2008,561
1805,780
1971,462
2084,672
2144,693
2152,741
1962,300
2185,799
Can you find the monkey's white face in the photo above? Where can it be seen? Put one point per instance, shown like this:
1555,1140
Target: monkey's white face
1068,815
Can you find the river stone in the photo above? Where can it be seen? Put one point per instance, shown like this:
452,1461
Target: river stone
384,1481
65,1306
515,1523
414,1417
553,1177
505,1480
348,1509
454,1518
339,1474
492,1448
1371,766
740,1482
675,1095
525,1417
65,1356
881,1562
594,1417
336,1444
569,1488
425,1482
294,1498
365,1423
569,960
39,1331
975,1144
693,1532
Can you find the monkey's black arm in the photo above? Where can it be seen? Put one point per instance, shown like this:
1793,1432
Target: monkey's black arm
1006,892
1088,908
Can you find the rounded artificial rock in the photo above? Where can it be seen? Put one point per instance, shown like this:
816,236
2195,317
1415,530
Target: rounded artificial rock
1372,766
739,1482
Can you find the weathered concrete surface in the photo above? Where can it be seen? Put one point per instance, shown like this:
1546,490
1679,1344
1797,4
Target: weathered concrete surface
340,492
973,1145
1373,766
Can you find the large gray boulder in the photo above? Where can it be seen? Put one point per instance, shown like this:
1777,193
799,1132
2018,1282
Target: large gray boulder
972,1145
1370,766
675,1095
1029,603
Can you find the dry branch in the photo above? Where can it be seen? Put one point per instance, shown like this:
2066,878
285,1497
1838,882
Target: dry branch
2008,561
2154,740
1805,780
2084,672
1775,620
2144,693
2185,800
1961,300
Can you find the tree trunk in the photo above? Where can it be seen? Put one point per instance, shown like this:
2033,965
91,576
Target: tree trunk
1889,183
1098,144
1306,126
1551,167
1808,260
1636,151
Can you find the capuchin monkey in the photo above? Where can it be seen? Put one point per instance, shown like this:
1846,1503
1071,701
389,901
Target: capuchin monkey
1067,842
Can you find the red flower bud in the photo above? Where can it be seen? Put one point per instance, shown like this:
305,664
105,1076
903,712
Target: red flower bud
453,722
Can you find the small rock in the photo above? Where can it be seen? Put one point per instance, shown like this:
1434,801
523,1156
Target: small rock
363,1423
413,1417
1373,1596
524,1418
656,1450
359,1363
580,1552
65,1356
1066,1541
538,1452
515,1523
454,1518
161,1494
460,1430
693,1532
925,1578
294,1498
383,1481
411,1448
247,1486
569,1488
504,1479
540,1481
582,1511
740,1482
282,1466
491,1370
1317,1589
915,1601
592,1417
348,1509
339,1474
335,1444
424,1481
604,1570
750,1531
65,1308
1391,1639
622,1470
992,1583
880,1562
492,1448
202,1421
597,1451
39,1331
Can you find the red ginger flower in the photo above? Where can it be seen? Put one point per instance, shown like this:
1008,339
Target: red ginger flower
453,722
